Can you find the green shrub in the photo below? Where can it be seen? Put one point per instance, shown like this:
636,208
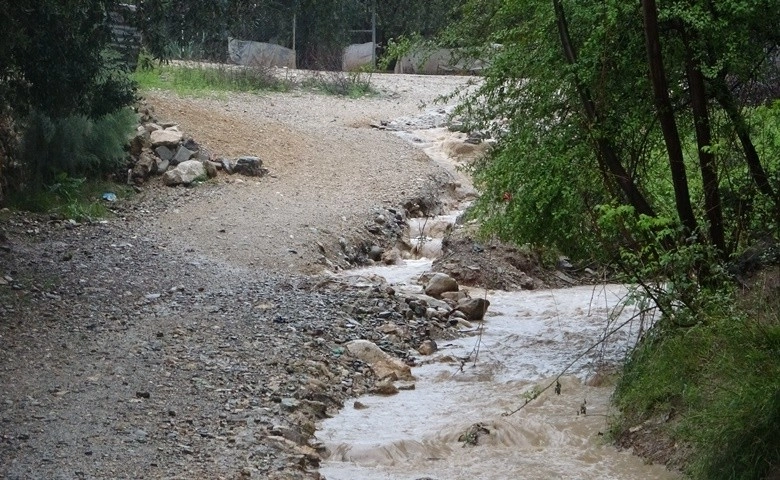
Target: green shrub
76,146
68,197
346,84
720,378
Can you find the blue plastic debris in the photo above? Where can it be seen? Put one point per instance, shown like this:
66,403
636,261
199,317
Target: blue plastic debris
109,197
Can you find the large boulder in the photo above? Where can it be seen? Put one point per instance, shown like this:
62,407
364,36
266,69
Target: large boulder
185,173
383,365
170,137
440,283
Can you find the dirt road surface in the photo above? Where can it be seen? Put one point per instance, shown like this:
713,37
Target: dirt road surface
184,337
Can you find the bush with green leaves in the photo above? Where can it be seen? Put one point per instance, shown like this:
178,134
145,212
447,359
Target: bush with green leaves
719,379
59,80
77,146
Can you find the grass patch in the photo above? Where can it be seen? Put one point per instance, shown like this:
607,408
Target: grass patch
206,79
346,84
194,79
721,379
70,198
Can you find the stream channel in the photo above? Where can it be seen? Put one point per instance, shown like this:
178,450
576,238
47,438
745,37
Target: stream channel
454,424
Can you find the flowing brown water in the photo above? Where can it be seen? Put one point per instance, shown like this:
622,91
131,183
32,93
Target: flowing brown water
529,338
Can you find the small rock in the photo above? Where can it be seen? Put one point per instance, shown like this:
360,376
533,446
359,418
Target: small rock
164,153
290,404
170,137
140,436
385,387
182,155
250,166
381,363
427,347
145,166
211,169
392,257
226,165
474,308
359,406
142,394
439,284
185,173
564,263
141,140
376,253
454,296
191,144
388,328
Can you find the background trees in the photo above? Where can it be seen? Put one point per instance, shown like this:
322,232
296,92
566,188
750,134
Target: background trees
199,29
595,97
53,59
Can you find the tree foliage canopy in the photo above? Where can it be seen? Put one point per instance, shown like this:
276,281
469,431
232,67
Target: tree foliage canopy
53,59
645,133
602,104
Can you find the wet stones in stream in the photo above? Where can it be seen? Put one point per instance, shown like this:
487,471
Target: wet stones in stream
439,284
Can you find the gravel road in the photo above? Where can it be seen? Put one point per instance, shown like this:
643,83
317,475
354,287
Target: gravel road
187,336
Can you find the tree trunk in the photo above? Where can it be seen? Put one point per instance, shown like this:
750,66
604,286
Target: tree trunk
609,161
709,174
666,116
757,172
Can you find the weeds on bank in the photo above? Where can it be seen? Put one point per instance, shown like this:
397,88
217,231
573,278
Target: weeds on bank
716,383
70,198
346,84
199,79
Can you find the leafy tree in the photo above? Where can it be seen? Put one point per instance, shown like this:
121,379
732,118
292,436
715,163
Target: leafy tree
646,133
56,69
53,59
627,89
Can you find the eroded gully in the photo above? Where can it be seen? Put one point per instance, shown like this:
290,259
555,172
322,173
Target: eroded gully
458,422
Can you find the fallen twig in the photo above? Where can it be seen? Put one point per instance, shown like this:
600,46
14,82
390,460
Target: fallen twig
577,359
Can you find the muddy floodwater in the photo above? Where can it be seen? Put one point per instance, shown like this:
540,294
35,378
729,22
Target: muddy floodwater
486,405
528,339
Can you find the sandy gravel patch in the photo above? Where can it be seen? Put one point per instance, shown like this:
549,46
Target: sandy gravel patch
329,168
